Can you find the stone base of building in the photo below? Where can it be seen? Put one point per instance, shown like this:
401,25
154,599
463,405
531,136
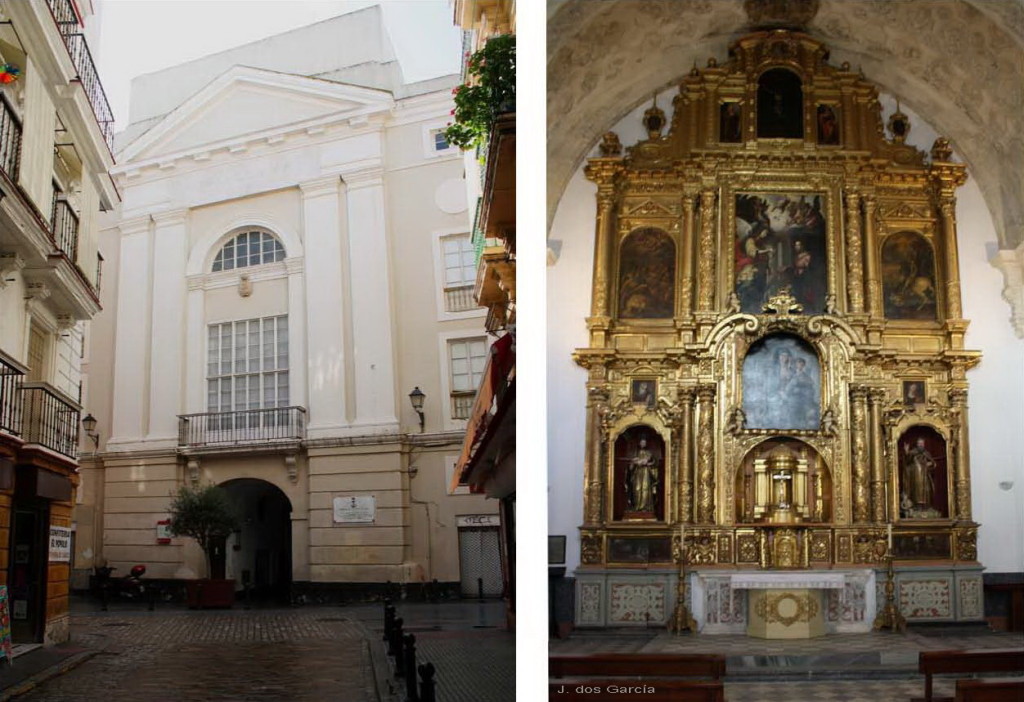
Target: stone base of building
356,593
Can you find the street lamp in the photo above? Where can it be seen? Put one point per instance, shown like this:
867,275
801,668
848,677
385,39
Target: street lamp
416,397
89,424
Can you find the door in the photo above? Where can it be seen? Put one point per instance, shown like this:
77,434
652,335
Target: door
27,575
479,561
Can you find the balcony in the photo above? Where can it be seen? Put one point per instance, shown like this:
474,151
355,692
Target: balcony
459,299
49,419
246,429
11,377
10,140
66,18
65,228
462,404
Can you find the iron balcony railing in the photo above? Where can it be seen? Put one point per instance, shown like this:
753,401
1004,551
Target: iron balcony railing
49,420
462,404
11,378
243,427
65,228
66,19
10,140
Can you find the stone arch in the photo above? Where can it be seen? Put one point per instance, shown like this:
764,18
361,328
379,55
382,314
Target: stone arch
259,556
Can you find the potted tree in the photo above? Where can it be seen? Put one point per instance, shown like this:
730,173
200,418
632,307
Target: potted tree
206,514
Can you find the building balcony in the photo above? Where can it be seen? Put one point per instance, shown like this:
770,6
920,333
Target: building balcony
247,430
12,374
10,140
462,404
64,228
68,24
49,419
459,299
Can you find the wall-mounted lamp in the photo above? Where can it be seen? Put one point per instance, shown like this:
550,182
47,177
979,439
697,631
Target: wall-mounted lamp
416,397
89,424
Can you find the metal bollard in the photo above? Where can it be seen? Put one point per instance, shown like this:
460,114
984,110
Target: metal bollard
389,619
410,668
480,587
400,653
427,683
104,597
151,595
395,642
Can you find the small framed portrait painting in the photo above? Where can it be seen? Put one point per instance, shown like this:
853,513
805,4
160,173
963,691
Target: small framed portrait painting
644,392
913,392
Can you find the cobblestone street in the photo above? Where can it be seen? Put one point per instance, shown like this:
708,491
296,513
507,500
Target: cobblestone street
315,654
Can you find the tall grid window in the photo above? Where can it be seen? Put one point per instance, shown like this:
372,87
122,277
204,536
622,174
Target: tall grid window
459,261
248,249
466,361
247,365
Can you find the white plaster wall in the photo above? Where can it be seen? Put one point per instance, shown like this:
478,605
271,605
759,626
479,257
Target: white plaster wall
12,318
996,385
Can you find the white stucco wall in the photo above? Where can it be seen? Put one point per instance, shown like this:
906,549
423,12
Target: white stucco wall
996,385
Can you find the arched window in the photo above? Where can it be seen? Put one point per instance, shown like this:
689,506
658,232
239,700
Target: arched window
248,249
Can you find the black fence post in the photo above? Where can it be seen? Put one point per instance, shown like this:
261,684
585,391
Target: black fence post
151,596
389,619
399,652
410,668
104,597
480,588
427,683
395,642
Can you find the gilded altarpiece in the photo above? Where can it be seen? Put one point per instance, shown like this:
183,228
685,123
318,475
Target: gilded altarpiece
802,372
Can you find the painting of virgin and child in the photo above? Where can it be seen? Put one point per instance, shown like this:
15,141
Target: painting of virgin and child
782,384
780,243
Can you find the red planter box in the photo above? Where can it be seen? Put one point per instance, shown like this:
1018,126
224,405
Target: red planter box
208,594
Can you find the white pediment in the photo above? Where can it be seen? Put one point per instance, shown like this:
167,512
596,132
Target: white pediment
244,103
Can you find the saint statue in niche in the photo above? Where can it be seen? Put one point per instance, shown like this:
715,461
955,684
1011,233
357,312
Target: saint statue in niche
780,242
908,277
782,385
730,123
647,271
780,105
828,126
639,474
922,474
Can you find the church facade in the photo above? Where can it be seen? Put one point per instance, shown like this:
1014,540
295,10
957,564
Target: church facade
291,318
776,357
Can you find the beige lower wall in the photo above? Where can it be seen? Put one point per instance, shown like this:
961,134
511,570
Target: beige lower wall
413,539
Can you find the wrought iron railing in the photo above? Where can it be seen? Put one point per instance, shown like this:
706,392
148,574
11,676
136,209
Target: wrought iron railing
240,428
65,228
66,19
99,270
11,378
49,420
459,299
10,140
462,404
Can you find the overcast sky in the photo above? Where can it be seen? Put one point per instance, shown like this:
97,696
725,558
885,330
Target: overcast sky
142,36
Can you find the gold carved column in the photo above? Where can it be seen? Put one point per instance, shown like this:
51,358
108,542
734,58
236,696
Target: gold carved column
958,399
685,457
855,271
874,297
685,294
859,453
708,253
596,458
947,207
876,402
706,454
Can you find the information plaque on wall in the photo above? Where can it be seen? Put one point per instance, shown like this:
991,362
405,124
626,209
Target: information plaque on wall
60,544
360,509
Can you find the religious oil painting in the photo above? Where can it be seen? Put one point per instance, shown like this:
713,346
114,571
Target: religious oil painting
647,268
640,550
908,277
828,125
730,123
782,384
913,392
644,392
780,243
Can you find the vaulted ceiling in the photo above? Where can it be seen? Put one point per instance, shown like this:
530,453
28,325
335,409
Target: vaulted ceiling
957,63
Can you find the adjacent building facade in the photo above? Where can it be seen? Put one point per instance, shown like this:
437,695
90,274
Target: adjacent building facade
293,262
55,151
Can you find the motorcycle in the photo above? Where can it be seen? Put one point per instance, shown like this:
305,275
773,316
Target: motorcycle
129,586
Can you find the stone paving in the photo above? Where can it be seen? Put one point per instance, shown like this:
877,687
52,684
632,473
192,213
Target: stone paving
309,653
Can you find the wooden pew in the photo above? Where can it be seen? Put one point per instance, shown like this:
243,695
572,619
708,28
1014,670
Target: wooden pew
625,690
972,661
647,677
991,690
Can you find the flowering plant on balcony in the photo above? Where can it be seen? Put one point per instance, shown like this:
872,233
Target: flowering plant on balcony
9,73
489,91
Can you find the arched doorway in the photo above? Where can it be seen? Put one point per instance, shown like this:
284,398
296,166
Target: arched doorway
260,554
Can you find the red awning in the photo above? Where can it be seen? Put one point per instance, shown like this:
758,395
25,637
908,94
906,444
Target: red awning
495,379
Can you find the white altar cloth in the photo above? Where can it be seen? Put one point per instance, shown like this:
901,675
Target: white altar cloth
804,580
